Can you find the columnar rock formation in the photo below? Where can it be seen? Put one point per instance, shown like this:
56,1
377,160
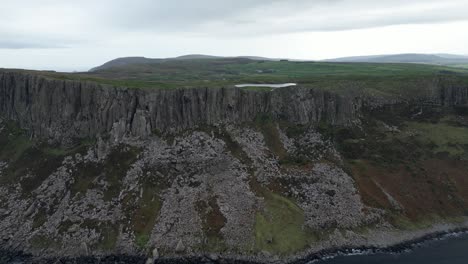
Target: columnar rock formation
59,108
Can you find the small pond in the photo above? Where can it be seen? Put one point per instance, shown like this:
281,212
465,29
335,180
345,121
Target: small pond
272,85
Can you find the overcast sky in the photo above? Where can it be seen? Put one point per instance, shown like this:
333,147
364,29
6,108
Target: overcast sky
71,35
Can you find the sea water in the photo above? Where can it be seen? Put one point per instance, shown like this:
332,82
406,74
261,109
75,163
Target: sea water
453,250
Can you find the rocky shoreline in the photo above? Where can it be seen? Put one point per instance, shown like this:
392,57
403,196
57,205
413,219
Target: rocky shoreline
394,249
323,255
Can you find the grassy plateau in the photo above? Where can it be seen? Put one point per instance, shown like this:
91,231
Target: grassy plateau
375,78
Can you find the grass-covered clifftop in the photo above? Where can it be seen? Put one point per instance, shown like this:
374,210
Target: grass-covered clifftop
373,78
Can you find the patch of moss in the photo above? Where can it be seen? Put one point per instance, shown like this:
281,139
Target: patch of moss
84,178
290,160
116,166
40,165
234,147
108,231
410,141
404,223
145,214
269,129
80,147
142,240
28,157
109,234
212,223
43,242
13,144
39,219
279,228
113,170
441,137
65,226
293,130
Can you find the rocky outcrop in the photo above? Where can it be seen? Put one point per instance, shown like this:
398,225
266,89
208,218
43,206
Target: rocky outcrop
452,93
60,108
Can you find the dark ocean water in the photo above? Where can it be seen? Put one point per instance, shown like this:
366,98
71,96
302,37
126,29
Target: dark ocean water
453,250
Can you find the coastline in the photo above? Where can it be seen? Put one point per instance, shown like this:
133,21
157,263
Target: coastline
400,248
310,256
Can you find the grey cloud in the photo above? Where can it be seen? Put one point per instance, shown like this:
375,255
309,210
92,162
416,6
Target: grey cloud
178,15
225,18
256,16
188,14
12,44
376,20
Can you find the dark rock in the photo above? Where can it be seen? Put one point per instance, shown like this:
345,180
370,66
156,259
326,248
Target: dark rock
58,109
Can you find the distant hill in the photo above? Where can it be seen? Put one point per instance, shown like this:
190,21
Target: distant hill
452,56
438,59
119,62
125,61
195,57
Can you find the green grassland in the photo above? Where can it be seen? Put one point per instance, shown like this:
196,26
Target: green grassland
442,137
375,78
460,66
279,228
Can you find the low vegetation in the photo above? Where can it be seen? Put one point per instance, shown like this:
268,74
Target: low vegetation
145,214
269,130
108,231
372,78
212,223
142,207
279,228
427,153
113,170
29,157
441,137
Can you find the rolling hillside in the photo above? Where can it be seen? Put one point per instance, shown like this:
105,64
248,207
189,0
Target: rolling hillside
436,59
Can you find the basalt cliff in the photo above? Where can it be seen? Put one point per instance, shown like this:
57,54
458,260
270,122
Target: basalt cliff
94,170
57,109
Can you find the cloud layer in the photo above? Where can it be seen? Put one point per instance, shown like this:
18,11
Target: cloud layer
88,20
136,25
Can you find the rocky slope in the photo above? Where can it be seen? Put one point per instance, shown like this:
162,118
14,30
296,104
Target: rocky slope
92,170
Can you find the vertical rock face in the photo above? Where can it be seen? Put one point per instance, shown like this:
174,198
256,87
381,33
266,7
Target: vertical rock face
303,105
64,109
452,94
58,108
